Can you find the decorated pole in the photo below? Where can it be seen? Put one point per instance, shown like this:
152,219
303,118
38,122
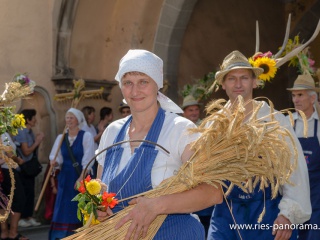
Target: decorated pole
20,87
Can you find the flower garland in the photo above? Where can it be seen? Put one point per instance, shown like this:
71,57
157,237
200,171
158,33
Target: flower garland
302,60
90,200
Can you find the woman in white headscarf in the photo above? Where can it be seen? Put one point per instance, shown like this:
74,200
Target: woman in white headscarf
76,150
135,167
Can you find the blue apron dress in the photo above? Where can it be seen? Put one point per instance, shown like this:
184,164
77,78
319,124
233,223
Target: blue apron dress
136,178
311,150
65,220
246,209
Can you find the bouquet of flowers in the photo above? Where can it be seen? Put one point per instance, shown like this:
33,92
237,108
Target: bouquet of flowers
10,122
90,199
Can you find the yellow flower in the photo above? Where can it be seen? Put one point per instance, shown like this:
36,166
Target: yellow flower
94,221
18,121
93,187
86,218
268,65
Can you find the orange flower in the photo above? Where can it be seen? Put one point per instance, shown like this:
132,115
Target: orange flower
81,188
108,200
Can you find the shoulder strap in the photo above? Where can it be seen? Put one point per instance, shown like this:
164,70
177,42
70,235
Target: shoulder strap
75,163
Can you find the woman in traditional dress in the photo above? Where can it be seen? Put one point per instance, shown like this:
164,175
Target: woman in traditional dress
136,167
76,150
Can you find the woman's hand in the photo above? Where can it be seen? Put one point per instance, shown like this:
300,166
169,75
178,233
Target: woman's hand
104,214
54,163
141,216
104,186
78,181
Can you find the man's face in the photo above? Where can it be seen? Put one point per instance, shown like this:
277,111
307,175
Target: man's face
125,111
239,82
303,101
192,113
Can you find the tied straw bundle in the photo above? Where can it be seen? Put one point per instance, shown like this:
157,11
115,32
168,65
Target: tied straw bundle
246,153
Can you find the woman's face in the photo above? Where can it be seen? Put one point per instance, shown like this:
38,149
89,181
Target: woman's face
91,117
140,91
32,122
71,121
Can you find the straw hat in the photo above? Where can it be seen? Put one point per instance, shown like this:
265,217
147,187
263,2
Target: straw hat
189,101
235,60
304,82
123,105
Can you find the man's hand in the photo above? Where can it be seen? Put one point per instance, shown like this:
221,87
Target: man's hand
281,232
142,215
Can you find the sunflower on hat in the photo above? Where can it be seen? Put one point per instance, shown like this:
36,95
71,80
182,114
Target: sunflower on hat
266,62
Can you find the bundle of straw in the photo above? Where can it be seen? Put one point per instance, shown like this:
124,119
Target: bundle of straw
244,152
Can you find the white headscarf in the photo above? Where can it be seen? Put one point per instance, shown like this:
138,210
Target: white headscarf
79,115
143,61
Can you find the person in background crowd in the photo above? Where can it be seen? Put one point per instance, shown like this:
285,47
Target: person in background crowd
50,193
134,167
191,109
73,156
305,98
89,114
18,203
292,205
106,117
124,109
27,147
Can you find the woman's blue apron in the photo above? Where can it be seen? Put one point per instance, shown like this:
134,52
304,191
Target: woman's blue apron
136,178
65,220
311,150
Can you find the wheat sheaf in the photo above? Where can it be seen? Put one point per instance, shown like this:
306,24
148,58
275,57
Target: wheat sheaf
243,149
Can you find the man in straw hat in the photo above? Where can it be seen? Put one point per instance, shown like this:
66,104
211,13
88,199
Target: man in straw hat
292,205
191,109
124,109
305,98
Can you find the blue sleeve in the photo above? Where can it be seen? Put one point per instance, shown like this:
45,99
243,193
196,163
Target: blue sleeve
21,137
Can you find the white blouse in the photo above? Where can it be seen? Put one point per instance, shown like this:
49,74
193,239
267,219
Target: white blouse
88,149
173,137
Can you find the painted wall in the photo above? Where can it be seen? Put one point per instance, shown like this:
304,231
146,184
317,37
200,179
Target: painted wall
26,47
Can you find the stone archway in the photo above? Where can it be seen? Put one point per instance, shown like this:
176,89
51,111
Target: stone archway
63,75
174,18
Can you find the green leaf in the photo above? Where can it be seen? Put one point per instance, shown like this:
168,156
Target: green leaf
95,211
82,205
79,215
77,197
89,208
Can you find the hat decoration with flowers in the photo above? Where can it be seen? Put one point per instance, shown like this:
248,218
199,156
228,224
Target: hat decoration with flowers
264,65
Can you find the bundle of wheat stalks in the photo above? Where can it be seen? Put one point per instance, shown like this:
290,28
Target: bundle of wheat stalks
244,151
7,203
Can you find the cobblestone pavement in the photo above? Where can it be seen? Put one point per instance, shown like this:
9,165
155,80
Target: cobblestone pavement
35,233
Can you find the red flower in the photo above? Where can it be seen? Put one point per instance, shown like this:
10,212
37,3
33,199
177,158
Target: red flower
108,200
260,55
81,188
